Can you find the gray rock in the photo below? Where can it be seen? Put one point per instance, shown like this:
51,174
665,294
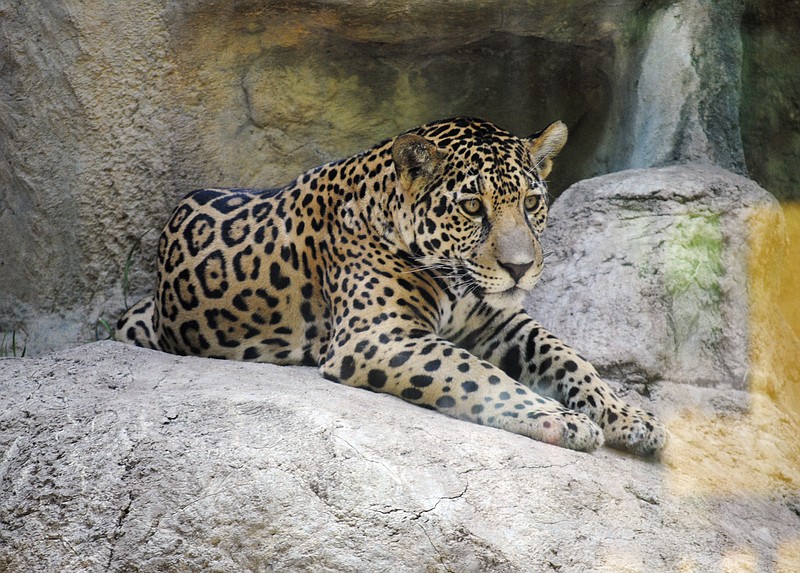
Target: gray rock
669,274
114,458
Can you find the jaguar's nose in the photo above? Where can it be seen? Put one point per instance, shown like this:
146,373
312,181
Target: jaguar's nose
516,270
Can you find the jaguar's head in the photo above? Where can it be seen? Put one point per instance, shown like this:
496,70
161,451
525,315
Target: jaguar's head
474,202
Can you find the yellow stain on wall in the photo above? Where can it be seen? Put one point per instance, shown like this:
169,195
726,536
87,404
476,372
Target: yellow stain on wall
755,452
789,293
752,453
773,279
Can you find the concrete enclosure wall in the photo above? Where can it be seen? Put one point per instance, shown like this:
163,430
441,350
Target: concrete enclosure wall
110,111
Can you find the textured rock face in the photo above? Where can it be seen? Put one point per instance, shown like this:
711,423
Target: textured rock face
120,459
110,112
669,273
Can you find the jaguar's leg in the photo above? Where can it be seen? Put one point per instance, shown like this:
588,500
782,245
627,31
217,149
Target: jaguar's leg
432,372
527,352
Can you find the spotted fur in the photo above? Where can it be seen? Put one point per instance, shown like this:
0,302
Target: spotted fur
401,270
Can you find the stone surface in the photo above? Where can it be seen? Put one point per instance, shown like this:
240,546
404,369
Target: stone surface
670,274
111,111
114,458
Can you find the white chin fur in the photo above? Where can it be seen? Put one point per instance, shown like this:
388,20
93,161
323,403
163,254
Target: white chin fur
512,297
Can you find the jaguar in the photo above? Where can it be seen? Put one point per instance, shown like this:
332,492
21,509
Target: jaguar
401,270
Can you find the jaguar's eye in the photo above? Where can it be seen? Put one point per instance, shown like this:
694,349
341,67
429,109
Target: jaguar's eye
472,206
532,202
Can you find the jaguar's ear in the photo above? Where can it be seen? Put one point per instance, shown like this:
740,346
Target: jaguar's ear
414,156
545,145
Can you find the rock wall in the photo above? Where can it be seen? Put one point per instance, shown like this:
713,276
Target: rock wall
673,273
110,111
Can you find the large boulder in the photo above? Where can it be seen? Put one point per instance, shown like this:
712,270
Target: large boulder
117,459
672,274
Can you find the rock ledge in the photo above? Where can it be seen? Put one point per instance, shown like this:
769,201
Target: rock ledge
114,458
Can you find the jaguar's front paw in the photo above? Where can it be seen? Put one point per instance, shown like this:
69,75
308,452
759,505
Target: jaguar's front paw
634,430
